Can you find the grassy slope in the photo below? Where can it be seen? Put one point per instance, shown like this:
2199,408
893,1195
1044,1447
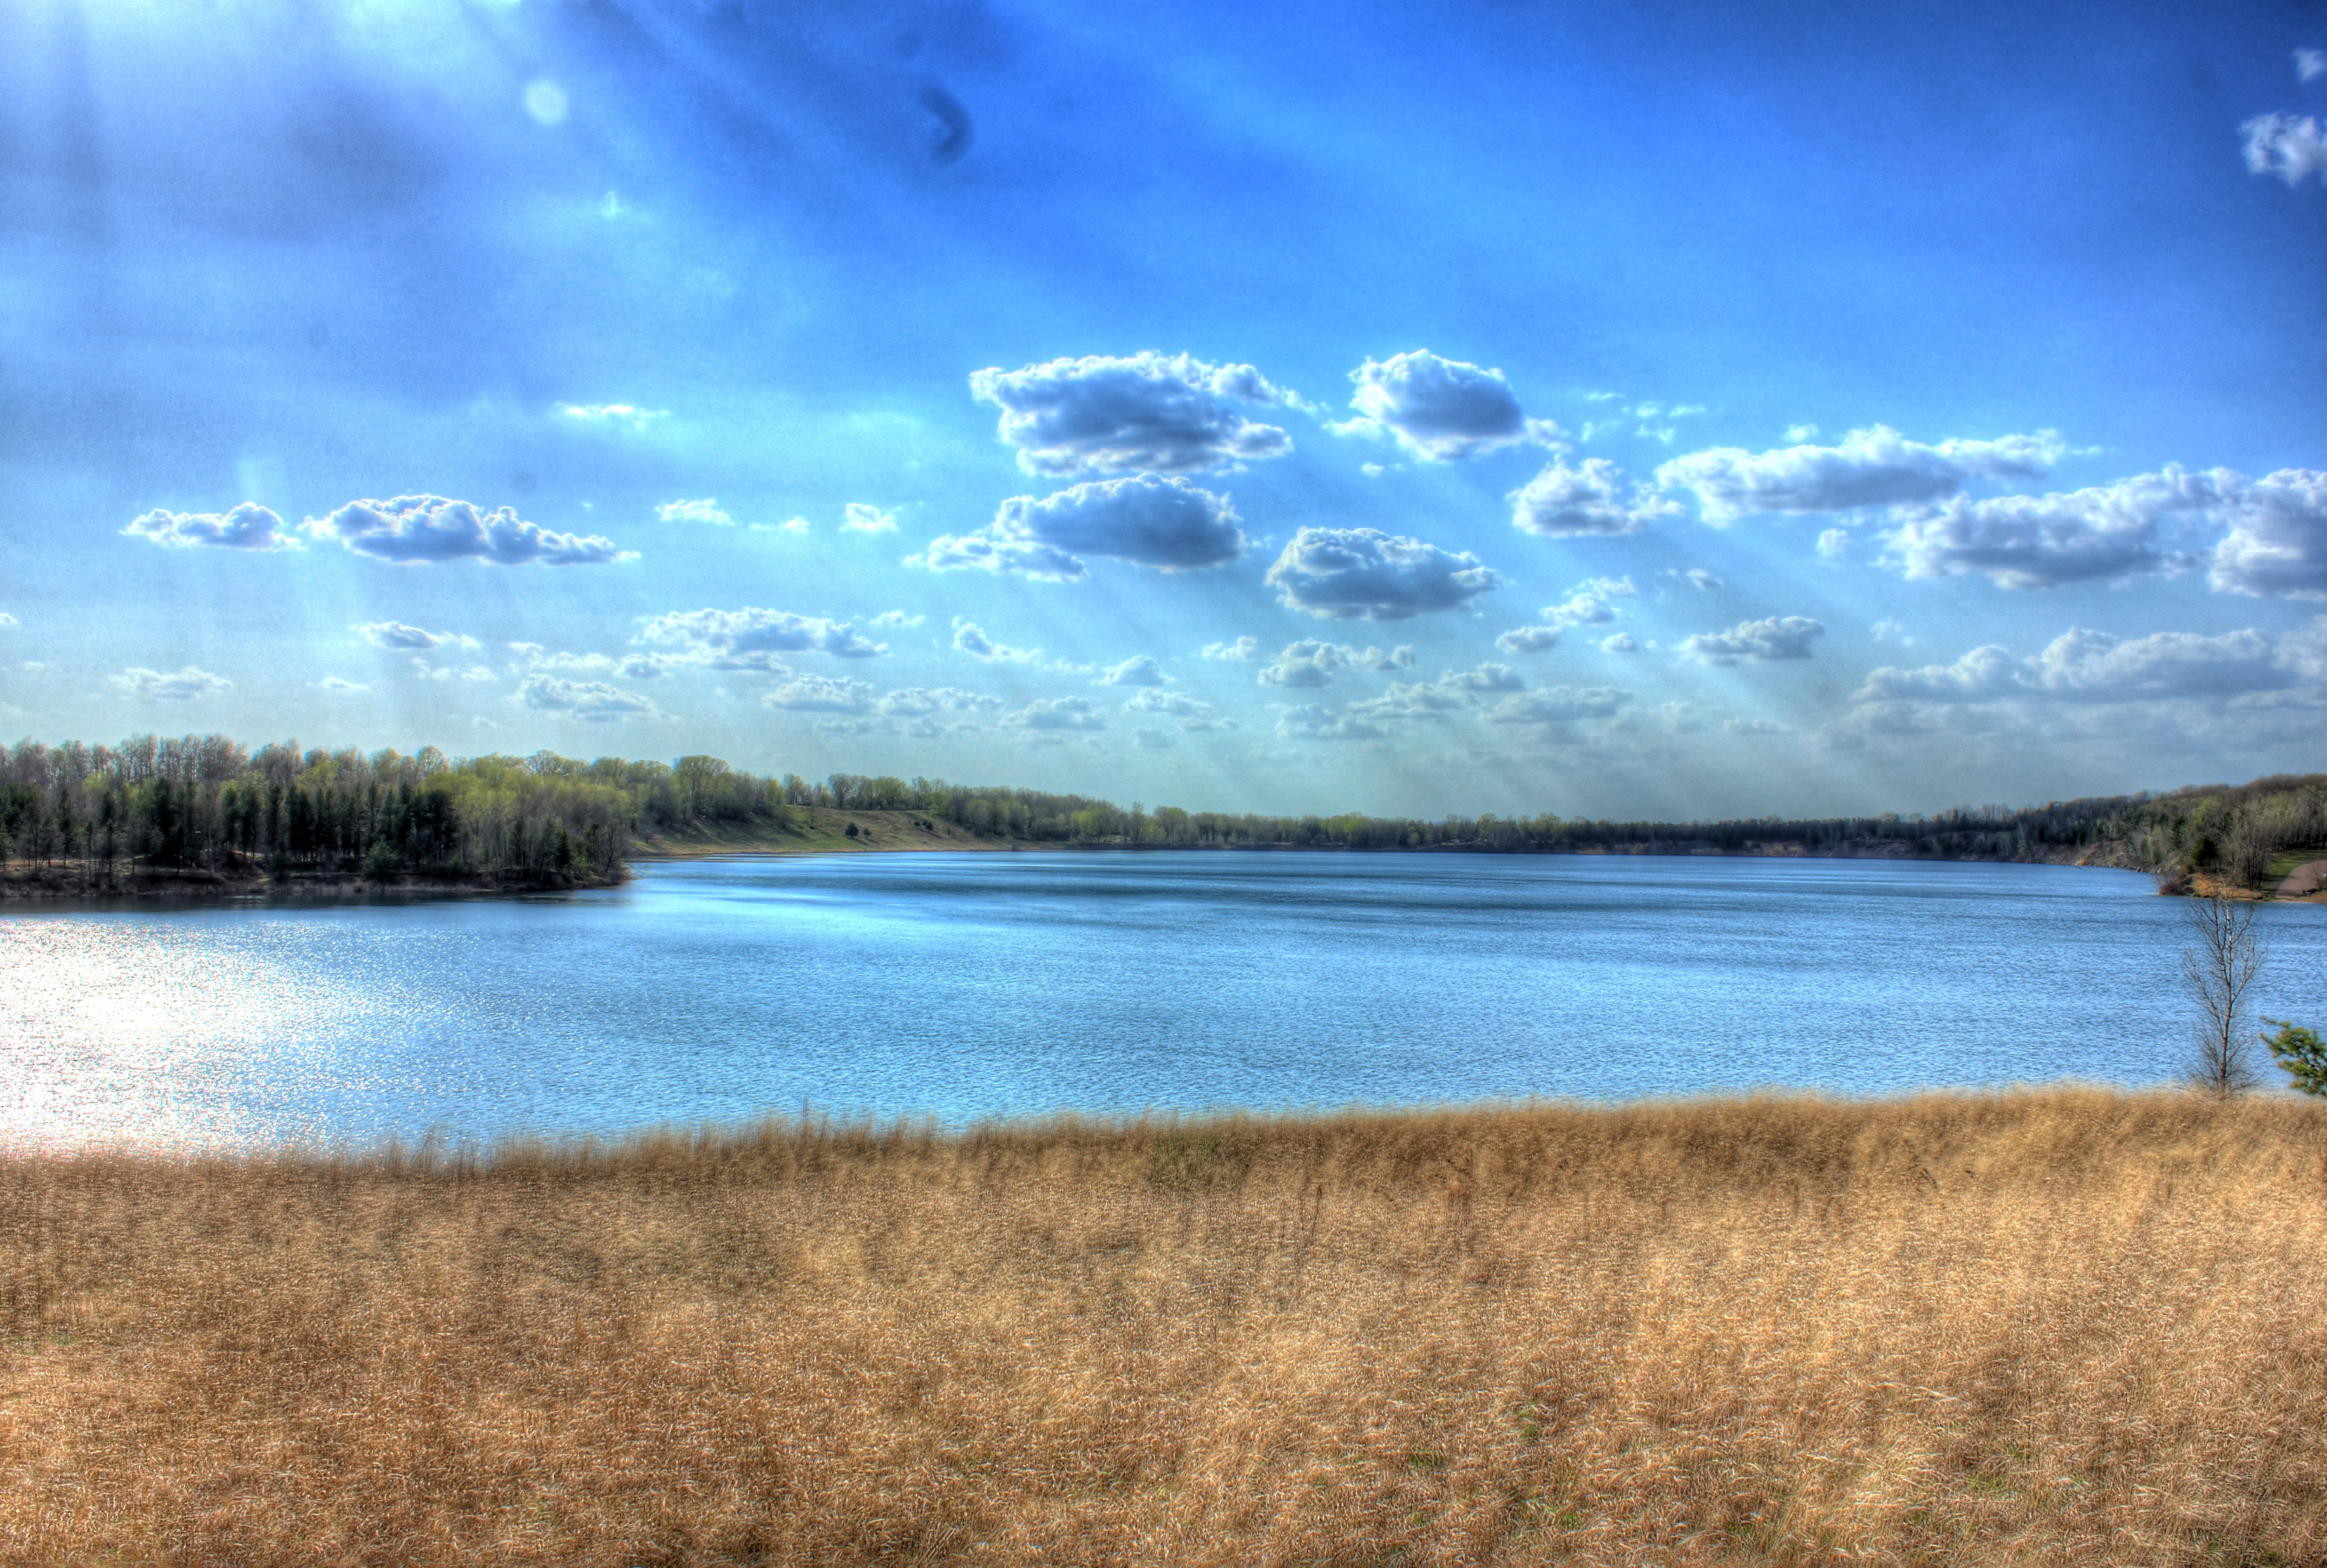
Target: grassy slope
2051,1327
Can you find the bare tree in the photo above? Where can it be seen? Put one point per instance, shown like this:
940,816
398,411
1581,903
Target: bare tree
2221,966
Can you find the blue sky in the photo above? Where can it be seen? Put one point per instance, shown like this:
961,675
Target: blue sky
1659,410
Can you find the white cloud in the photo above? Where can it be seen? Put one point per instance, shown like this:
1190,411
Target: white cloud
591,700
2288,146
816,694
1833,544
613,414
1705,580
1305,663
6,619
1312,663
2097,667
896,618
1530,638
868,519
1364,574
403,638
2098,533
411,530
335,685
1441,409
249,526
1138,670
629,665
1765,641
705,511
1621,642
1178,705
916,701
2278,542
180,686
749,638
1890,632
970,637
1242,650
1874,467
985,551
1146,412
1799,433
2309,63
1166,522
1557,705
1058,713
475,672
1593,497
1313,723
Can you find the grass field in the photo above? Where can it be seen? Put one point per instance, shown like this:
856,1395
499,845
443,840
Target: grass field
2056,1326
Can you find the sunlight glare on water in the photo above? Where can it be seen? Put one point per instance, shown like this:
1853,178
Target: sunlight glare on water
963,986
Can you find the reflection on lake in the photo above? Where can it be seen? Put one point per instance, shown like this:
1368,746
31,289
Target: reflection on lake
974,984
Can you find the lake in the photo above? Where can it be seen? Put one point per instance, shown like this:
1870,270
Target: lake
975,985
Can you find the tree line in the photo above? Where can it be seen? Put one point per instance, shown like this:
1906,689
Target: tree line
205,803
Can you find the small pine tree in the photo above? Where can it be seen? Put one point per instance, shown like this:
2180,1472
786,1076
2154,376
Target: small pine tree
2300,1052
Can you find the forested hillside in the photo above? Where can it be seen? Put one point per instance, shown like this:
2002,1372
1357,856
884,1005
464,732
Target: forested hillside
203,806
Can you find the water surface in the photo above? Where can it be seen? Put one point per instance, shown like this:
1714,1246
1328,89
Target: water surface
977,983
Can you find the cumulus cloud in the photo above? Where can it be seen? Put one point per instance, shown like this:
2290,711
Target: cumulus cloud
2097,667
1833,545
705,511
403,638
249,526
1305,663
1364,574
1243,650
2288,146
1705,581
985,550
816,694
751,637
475,672
914,701
177,686
861,519
896,618
1557,705
2310,62
1058,713
8,620
1874,467
1456,691
627,414
629,665
1622,642
2278,542
1313,723
336,684
411,529
1146,412
1312,663
1441,409
1593,497
591,700
1530,638
970,637
1178,705
1147,520
2098,533
1138,670
1765,641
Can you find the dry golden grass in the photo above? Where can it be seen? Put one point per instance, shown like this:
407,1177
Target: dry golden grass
2048,1327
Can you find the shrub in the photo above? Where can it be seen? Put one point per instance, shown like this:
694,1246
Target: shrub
2300,1052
